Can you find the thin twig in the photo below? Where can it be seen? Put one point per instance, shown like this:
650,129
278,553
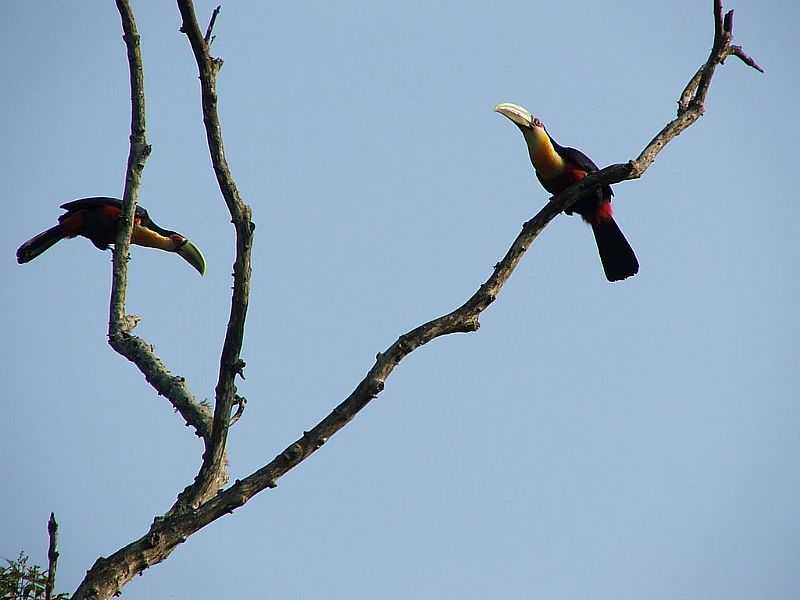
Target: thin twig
740,54
208,38
52,557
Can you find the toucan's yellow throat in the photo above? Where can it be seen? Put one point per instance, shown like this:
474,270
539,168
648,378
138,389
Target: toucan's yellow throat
547,162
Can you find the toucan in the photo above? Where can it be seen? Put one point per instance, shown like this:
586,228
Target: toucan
557,168
97,218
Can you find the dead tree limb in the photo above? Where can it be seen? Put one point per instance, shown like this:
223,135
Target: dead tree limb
52,557
138,153
208,38
108,575
212,474
120,325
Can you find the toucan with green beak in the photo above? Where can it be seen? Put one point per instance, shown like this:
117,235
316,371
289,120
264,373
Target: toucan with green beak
557,168
97,219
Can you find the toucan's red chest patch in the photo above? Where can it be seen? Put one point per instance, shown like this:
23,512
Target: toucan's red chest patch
574,174
563,180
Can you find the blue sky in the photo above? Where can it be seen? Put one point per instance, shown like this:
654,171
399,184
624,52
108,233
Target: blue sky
590,441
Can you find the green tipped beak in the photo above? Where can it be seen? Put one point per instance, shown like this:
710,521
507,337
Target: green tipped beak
193,256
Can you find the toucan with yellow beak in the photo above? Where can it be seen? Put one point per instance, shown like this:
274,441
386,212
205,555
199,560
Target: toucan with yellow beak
557,168
97,219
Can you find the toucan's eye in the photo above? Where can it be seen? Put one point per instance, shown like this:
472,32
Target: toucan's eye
537,123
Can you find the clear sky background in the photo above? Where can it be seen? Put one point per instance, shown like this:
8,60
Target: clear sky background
597,441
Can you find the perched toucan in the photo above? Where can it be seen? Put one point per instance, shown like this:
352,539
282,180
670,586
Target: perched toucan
97,218
558,168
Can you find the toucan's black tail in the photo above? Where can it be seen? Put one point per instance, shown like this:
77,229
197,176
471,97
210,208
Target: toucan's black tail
616,254
38,244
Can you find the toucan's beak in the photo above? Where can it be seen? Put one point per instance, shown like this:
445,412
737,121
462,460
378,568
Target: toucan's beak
521,116
193,256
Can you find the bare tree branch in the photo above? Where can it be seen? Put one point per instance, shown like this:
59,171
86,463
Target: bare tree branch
107,576
52,557
208,38
173,387
120,325
212,474
139,151
740,54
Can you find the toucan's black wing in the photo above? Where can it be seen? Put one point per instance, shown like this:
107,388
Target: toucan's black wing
583,162
93,202
578,158
96,202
